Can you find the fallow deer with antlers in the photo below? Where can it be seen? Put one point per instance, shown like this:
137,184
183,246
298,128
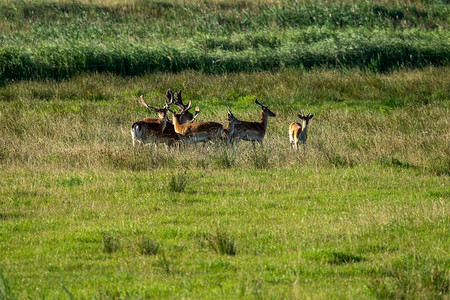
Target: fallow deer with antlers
253,131
196,132
149,129
144,131
297,131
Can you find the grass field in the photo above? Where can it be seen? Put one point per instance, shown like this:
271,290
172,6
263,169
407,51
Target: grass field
362,213
56,39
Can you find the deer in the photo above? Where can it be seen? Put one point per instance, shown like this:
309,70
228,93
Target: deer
196,132
229,130
297,131
186,116
253,131
140,131
143,103
149,129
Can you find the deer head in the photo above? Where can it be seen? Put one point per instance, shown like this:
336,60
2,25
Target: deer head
265,109
231,118
162,112
183,110
305,118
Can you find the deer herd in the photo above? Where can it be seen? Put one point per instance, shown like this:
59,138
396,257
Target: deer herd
183,128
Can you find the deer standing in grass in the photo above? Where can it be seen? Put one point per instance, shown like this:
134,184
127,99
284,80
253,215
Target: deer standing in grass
196,132
297,131
150,129
186,116
253,131
229,130
145,130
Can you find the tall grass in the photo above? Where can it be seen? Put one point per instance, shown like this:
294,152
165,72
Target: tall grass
396,120
132,39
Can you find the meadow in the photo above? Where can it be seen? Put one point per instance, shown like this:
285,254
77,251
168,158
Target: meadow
362,212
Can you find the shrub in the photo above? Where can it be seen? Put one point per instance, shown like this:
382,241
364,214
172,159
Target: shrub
148,246
178,182
222,243
111,242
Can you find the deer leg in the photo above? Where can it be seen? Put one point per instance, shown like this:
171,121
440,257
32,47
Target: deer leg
260,141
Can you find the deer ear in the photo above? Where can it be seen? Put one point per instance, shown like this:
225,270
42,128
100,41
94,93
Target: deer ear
311,116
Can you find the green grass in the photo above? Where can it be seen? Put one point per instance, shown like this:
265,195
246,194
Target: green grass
297,230
362,213
52,39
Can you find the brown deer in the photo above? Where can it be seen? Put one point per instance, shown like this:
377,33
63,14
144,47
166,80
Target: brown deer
297,131
186,116
149,129
196,132
229,130
142,131
253,131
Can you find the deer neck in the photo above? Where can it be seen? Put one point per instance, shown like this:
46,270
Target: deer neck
162,124
230,127
304,126
176,124
263,121
303,133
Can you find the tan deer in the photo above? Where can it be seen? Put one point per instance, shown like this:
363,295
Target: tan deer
142,131
196,132
253,131
297,131
229,130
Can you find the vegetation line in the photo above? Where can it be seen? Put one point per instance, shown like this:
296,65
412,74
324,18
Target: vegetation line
77,38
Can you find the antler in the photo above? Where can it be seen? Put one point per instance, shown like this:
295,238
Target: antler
143,103
169,96
179,99
259,103
197,111
189,106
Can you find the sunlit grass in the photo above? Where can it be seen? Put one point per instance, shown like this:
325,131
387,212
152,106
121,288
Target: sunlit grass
361,213
57,40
